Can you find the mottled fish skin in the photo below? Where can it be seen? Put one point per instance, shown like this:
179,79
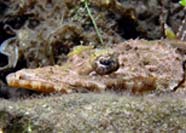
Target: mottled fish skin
143,66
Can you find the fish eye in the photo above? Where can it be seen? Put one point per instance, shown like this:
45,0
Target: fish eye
105,64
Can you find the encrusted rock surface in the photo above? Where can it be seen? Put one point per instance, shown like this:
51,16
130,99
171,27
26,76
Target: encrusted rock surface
95,113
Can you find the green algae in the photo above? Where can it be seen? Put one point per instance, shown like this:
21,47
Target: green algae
78,50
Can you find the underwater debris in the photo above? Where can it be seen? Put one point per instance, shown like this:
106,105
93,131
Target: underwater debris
10,49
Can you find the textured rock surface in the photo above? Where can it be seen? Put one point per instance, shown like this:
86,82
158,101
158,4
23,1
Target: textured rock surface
96,113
